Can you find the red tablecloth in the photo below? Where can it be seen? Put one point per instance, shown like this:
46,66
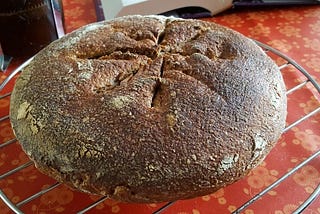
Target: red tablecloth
294,31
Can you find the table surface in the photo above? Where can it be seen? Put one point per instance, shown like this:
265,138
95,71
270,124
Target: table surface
292,30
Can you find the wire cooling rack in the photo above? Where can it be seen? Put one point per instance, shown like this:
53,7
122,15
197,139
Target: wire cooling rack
16,207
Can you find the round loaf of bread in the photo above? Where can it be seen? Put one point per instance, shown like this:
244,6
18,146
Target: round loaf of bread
149,108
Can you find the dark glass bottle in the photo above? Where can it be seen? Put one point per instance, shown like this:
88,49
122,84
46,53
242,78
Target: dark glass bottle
26,26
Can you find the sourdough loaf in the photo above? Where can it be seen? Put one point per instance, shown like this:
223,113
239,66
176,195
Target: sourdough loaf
149,108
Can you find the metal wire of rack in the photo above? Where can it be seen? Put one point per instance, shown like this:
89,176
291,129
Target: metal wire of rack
288,61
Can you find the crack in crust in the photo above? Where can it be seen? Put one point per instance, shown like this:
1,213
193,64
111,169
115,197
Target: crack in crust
198,44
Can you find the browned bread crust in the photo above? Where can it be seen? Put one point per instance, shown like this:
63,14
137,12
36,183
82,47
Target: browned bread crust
148,108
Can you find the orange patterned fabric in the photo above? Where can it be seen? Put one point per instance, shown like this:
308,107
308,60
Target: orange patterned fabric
294,31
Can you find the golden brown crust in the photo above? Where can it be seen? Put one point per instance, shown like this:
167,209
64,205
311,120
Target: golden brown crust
148,108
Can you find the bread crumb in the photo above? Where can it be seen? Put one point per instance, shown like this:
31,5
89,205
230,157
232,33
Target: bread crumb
34,129
85,119
24,113
35,126
98,174
171,119
85,75
259,143
259,146
151,168
188,161
82,151
121,191
86,68
23,110
120,101
227,162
